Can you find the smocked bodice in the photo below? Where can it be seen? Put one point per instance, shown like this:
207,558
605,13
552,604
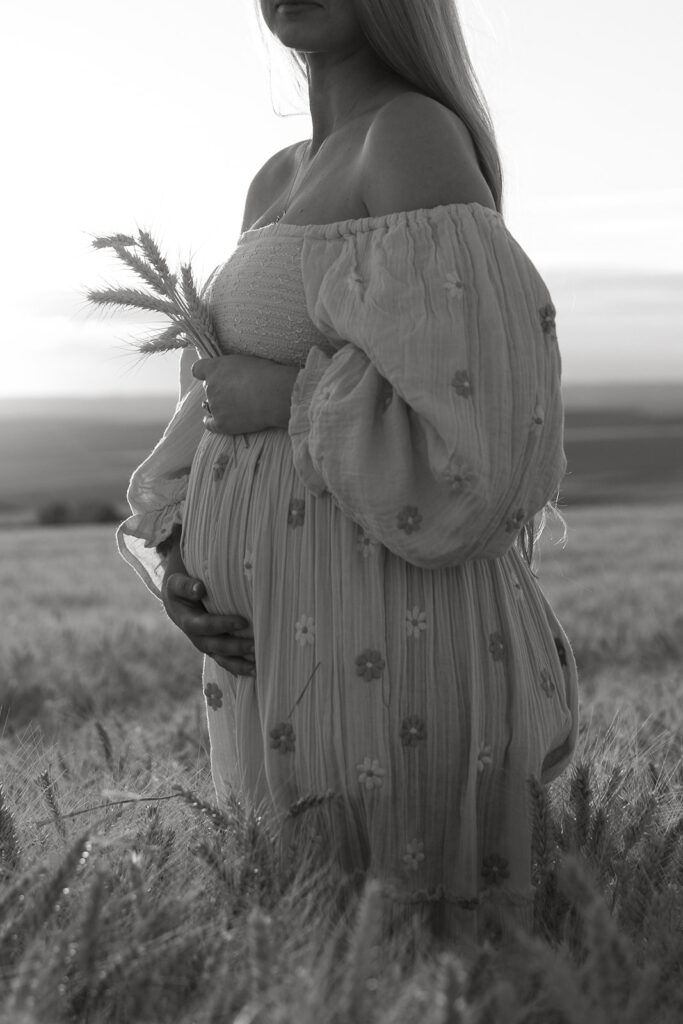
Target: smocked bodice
258,302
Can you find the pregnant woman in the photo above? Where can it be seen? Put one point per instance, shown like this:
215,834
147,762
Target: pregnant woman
340,512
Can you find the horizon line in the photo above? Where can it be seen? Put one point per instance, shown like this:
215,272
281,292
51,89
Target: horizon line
667,382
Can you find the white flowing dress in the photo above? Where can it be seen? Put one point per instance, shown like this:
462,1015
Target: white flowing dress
410,672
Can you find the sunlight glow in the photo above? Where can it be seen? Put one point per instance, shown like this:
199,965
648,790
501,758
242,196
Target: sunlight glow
142,114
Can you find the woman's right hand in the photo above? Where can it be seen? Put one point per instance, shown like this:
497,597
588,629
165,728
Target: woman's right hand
214,635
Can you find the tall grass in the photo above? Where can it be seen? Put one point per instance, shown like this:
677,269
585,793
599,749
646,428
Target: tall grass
159,907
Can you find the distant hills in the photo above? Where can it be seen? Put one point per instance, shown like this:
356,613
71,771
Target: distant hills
655,398
624,443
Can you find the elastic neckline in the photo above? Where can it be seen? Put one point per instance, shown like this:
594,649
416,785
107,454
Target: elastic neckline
339,228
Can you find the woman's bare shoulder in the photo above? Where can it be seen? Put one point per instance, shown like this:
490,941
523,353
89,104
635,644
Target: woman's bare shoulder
267,182
419,154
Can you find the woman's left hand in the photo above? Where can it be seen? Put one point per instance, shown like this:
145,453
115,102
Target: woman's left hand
245,393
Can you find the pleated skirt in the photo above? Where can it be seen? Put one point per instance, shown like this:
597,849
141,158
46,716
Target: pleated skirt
403,710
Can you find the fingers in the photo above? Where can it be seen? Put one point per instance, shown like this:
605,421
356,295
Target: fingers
228,646
235,656
183,598
201,623
235,667
178,584
217,636
199,369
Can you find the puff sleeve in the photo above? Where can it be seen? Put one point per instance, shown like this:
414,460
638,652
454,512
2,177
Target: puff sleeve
437,424
156,493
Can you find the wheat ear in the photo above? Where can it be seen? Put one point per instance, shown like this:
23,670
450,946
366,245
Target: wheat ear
9,840
155,257
196,308
597,838
541,836
142,269
105,740
580,795
110,241
173,338
219,820
50,793
305,803
132,298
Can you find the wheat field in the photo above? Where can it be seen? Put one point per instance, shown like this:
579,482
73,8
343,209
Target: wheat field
127,897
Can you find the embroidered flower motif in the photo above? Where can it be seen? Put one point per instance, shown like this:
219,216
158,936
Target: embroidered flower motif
409,519
452,283
414,855
462,480
547,314
248,565
538,415
484,757
547,684
214,696
413,731
515,521
461,383
386,394
305,630
220,466
364,543
282,738
369,665
495,868
370,774
297,512
416,621
496,646
561,652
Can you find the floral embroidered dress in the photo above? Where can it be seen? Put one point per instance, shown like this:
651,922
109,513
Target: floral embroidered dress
408,665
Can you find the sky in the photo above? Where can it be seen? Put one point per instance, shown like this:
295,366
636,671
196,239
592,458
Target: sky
157,114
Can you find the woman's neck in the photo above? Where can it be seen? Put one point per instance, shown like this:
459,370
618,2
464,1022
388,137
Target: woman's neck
343,87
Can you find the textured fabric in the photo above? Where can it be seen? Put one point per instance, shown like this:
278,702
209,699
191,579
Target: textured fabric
411,674
437,425
259,305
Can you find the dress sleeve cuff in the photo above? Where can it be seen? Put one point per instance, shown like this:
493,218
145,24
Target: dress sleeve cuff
137,539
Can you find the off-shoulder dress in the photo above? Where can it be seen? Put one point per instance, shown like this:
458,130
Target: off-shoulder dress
409,668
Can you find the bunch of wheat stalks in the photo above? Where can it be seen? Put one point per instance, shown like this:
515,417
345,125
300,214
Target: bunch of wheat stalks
180,301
